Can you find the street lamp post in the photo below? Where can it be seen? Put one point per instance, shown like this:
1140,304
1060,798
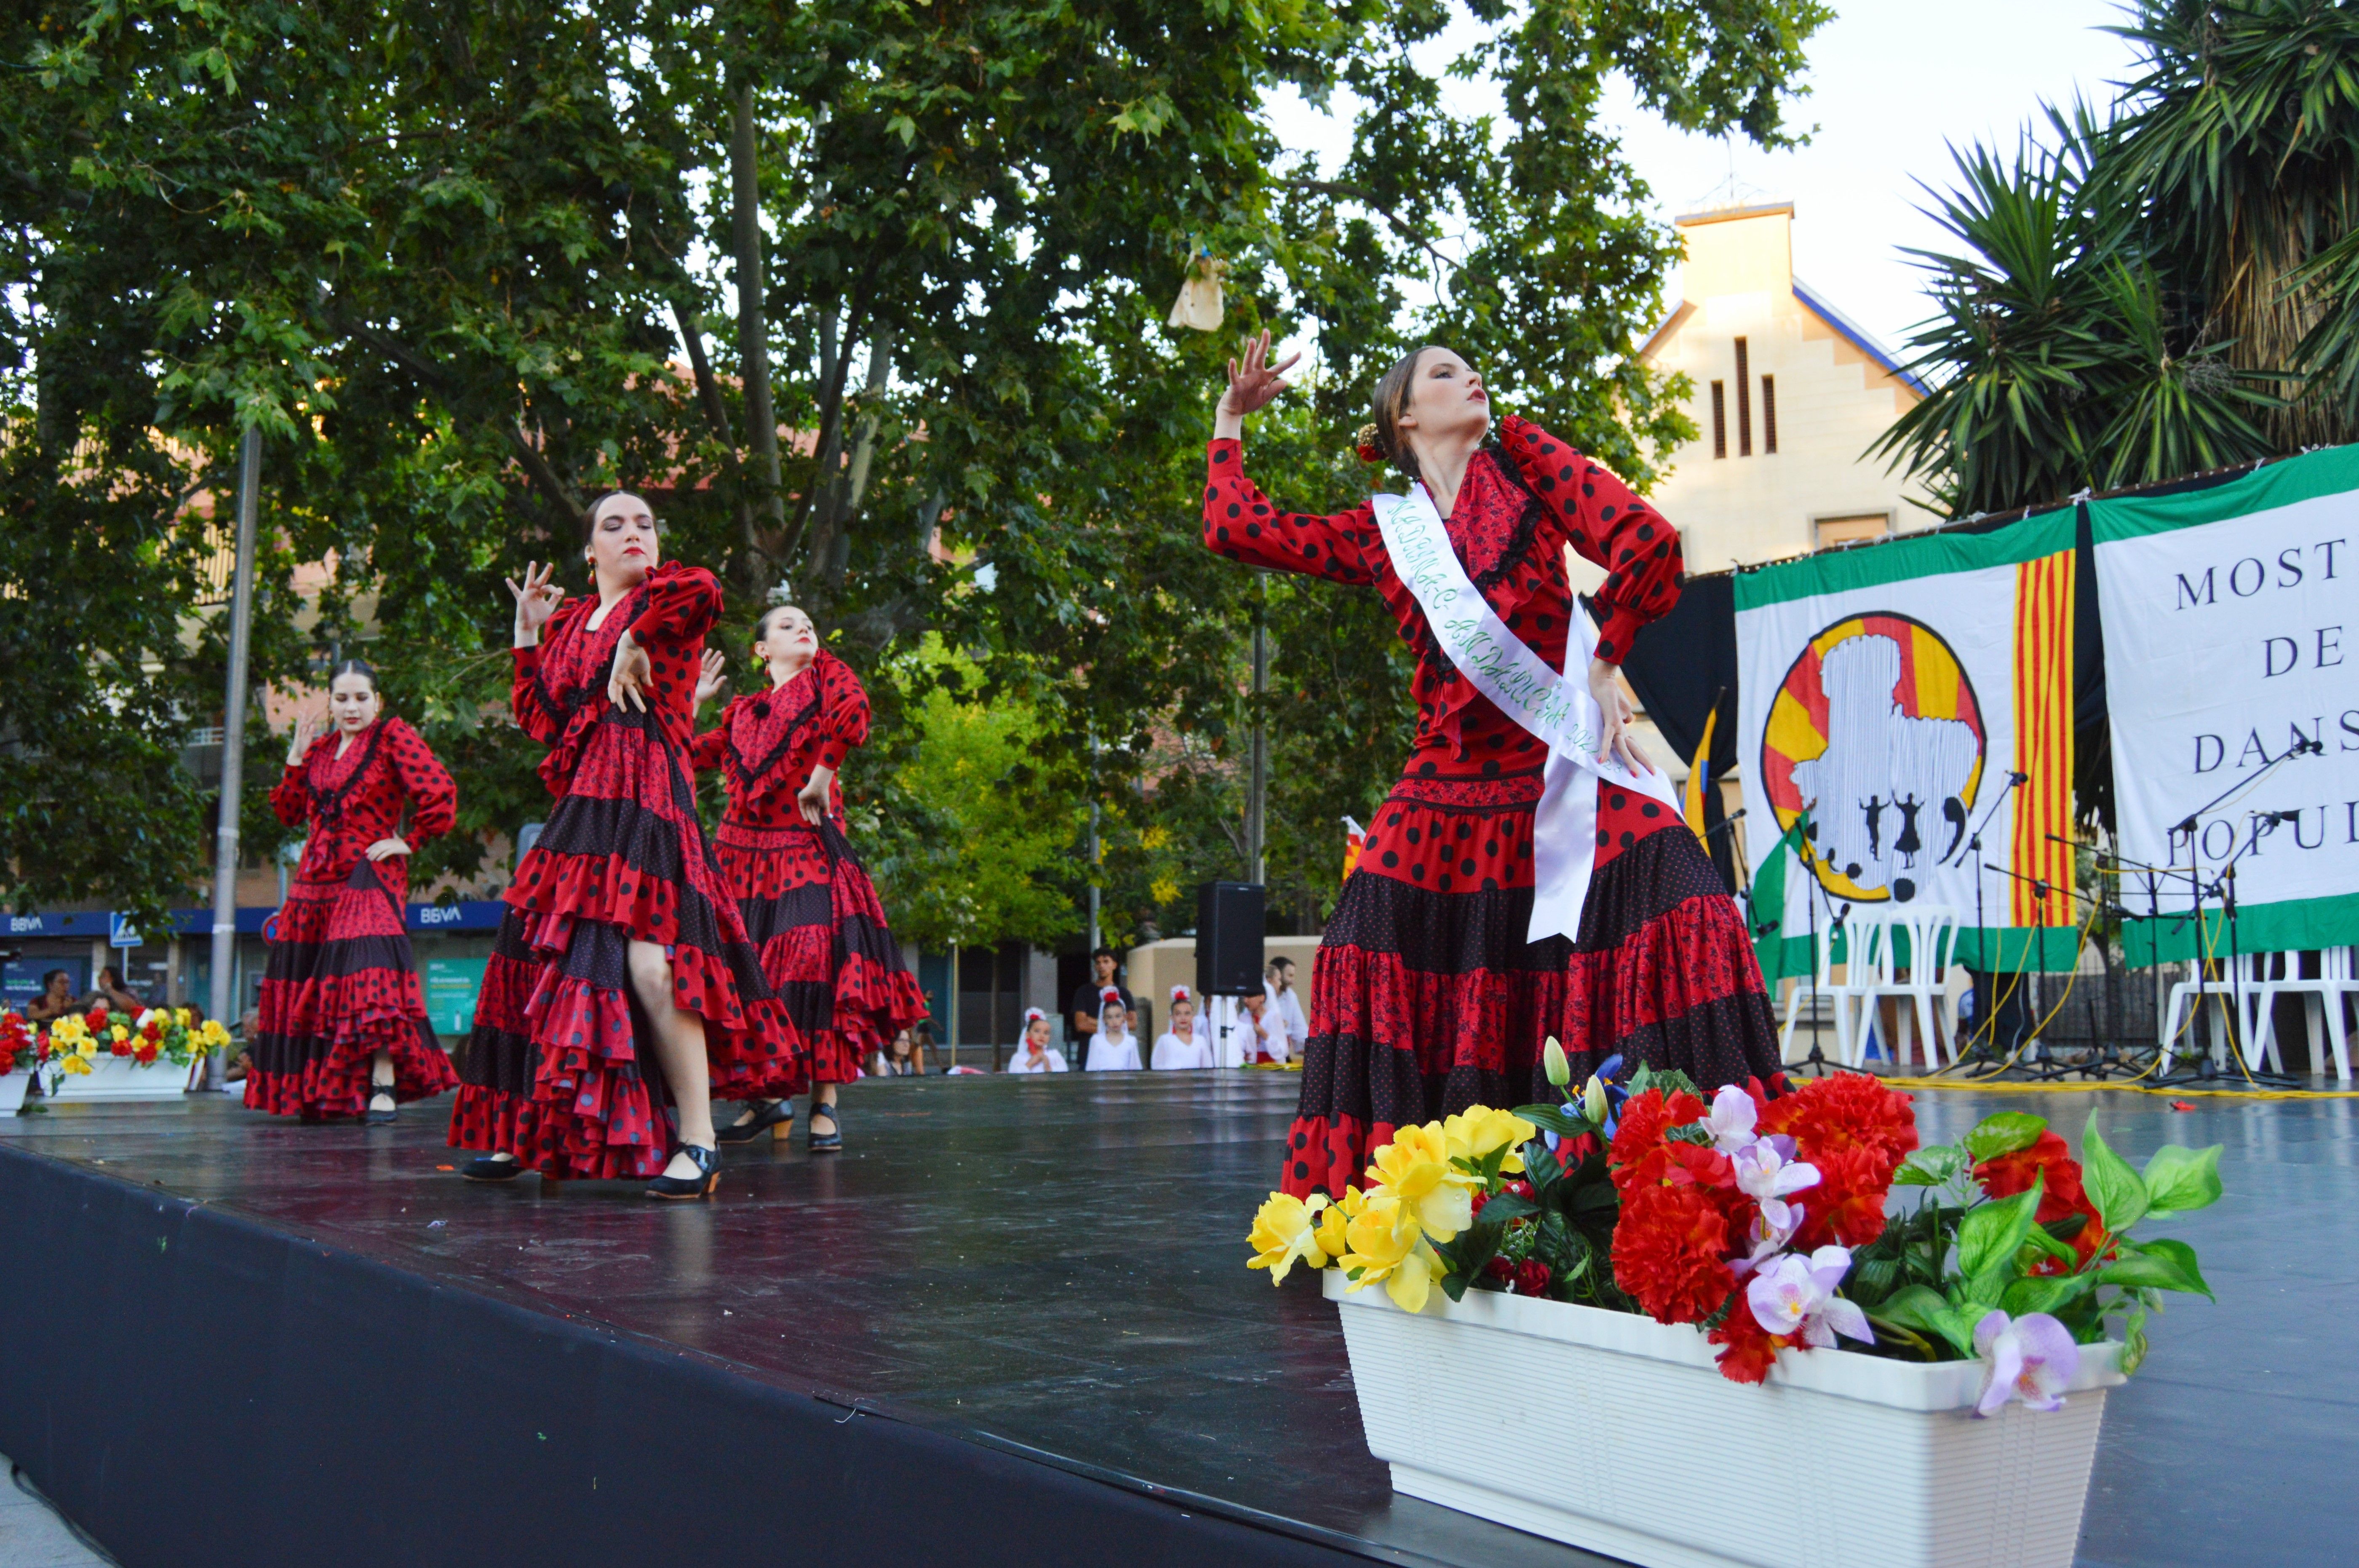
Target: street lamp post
222,1000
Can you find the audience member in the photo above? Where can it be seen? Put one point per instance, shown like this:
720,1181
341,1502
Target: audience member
1035,1054
1113,1048
1185,1043
55,1001
112,994
1081,1021
1289,1031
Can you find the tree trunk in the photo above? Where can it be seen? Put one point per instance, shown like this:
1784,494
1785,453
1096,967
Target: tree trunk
752,327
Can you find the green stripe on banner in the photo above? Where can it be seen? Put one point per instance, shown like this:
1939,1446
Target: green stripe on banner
1909,556
2053,950
2304,478
2290,925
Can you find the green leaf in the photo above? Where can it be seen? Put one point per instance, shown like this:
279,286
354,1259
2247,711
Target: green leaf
2042,1241
2003,1134
2117,1190
1913,1306
2156,1266
1556,1119
1504,1206
1930,1166
2046,1293
2178,1180
1991,1233
2133,1345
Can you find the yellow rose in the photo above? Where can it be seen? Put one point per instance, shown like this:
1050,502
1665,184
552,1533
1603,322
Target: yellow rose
119,1032
1388,1246
84,1050
1415,1168
180,1017
1331,1221
74,1066
1284,1230
1480,1131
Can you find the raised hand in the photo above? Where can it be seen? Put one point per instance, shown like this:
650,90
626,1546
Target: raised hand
536,596
1254,382
711,678
309,728
626,688
1617,743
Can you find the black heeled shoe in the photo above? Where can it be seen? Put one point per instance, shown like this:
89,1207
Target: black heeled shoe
484,1168
832,1140
700,1185
779,1115
371,1115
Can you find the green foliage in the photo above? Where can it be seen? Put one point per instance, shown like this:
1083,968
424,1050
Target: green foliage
465,267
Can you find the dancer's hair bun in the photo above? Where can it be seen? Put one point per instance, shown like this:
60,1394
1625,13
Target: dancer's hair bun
1364,443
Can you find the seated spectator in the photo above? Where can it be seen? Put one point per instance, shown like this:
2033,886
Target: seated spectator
1036,1055
1289,1031
901,1059
55,1001
1186,1044
1114,1049
112,994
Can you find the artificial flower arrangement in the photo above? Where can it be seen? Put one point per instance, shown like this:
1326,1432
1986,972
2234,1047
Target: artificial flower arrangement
1763,1222
74,1044
21,1047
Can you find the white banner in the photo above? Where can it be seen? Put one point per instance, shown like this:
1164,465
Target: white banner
2232,641
1891,693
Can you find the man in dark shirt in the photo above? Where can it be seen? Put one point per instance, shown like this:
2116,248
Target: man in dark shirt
1082,1017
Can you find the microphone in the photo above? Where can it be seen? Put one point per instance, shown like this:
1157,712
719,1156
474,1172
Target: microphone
2019,780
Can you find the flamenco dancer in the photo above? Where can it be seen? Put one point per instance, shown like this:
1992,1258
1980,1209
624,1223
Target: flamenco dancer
808,907
621,986
343,1029
1483,917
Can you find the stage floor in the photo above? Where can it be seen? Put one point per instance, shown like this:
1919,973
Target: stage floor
1057,1264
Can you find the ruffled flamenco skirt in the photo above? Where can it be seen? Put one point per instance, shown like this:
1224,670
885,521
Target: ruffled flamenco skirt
560,1069
1427,999
340,985
814,917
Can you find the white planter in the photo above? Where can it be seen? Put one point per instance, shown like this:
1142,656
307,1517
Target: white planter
1617,1434
12,1092
120,1078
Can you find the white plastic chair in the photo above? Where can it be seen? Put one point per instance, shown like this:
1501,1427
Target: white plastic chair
1843,993
2241,977
1924,982
2322,1002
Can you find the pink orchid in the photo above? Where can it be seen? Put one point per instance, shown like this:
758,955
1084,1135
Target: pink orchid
1767,1170
2031,1359
1732,1118
1774,1225
1796,1295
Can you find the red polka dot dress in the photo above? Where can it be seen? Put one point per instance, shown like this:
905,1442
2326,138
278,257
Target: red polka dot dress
1425,996
809,907
555,1072
339,984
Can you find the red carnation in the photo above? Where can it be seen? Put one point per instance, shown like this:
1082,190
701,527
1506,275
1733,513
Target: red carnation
1846,1110
145,1055
2004,1175
1670,1251
1500,1269
1847,1205
1645,1119
1520,1188
1752,1349
118,1048
96,1019
1532,1278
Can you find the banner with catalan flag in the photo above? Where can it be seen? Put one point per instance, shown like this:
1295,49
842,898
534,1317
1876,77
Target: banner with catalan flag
1914,700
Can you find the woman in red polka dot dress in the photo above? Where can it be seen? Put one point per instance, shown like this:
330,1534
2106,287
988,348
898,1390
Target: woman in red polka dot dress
809,907
1425,995
621,992
343,1029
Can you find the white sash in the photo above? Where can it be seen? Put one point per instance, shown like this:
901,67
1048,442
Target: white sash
1553,708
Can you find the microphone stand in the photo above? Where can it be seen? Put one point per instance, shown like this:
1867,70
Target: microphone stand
1981,1045
2199,1068
2044,1068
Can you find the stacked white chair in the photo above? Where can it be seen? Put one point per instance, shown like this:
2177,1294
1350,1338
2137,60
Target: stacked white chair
1932,931
2237,982
2321,1000
1842,994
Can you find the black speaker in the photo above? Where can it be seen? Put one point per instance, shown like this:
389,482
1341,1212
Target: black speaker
1228,939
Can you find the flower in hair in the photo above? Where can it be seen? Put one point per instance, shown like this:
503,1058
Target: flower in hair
1365,444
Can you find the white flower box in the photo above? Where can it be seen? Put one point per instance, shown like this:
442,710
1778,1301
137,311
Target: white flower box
1615,1432
12,1092
120,1078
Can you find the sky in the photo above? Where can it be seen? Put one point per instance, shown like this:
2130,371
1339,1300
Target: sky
1895,83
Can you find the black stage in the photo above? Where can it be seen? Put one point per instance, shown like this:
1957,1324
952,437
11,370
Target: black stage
1033,1292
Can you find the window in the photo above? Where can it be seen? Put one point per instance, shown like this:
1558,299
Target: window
1845,530
1744,404
1720,419
1768,414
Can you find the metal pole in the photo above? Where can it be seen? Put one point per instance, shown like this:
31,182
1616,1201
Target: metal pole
1256,802
222,1001
1094,938
955,1003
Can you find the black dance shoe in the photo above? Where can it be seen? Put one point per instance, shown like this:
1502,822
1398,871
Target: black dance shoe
484,1168
700,1185
778,1117
372,1116
832,1140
